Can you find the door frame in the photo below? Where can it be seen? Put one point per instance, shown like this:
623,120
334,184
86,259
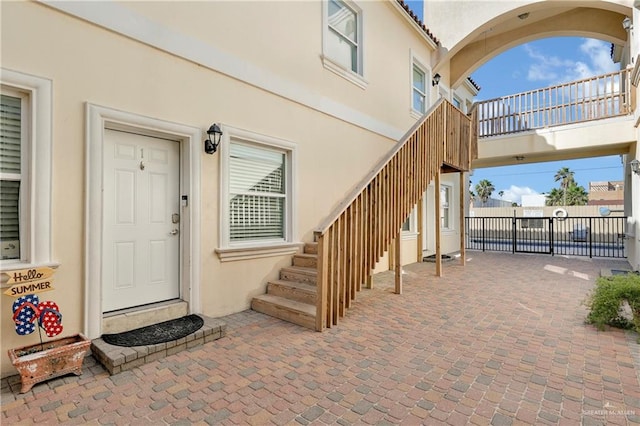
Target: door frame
97,119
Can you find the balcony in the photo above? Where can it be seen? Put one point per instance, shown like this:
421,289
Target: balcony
594,98
584,118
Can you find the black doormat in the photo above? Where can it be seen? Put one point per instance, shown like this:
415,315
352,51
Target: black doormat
156,333
432,258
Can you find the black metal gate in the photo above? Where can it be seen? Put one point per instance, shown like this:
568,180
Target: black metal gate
532,235
576,236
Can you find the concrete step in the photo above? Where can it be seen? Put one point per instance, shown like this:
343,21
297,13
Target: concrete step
293,290
305,260
311,248
292,311
117,359
300,274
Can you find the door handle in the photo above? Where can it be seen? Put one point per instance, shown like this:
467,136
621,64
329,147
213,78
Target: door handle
174,231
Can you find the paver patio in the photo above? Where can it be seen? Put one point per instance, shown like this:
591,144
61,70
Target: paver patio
501,341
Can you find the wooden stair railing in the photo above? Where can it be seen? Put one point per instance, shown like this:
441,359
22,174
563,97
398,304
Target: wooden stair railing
361,228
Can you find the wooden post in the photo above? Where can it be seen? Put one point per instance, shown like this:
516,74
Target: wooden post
420,212
398,242
462,221
323,278
438,224
392,256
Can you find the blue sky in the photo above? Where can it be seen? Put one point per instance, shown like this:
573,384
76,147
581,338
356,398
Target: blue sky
535,65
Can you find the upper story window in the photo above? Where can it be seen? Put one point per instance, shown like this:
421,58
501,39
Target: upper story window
25,141
419,91
457,102
342,40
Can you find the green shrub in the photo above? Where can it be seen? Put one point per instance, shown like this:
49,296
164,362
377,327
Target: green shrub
605,302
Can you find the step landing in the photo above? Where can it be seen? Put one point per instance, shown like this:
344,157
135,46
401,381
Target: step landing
119,358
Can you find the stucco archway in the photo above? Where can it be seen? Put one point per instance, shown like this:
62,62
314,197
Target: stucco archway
471,33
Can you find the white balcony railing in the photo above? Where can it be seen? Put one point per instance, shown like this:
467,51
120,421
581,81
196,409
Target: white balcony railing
595,98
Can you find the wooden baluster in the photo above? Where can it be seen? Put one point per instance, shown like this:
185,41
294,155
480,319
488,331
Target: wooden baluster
398,263
322,283
463,185
438,224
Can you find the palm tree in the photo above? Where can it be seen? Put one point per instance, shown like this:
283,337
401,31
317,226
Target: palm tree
565,176
576,196
484,189
555,197
501,193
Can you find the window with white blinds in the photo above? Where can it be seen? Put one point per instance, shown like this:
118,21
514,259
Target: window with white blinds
10,175
257,193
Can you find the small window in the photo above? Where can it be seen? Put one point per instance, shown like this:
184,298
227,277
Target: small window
342,40
445,207
12,121
342,43
257,209
257,194
419,92
457,102
25,171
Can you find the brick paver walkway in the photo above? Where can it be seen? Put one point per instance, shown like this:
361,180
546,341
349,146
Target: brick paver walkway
501,341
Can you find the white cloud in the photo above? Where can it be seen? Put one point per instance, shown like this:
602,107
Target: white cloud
599,52
515,193
594,60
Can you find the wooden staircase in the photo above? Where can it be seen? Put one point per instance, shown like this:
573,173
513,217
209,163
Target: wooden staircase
318,289
293,297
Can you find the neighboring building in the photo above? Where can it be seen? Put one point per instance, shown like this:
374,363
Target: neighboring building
491,202
533,200
606,193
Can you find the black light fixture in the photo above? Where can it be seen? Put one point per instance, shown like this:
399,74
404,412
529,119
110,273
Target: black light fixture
436,80
635,166
211,144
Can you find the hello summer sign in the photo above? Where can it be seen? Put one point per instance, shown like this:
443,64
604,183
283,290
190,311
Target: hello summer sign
29,281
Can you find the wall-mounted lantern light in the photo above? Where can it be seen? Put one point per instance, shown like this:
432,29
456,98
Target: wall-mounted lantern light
635,166
211,143
436,80
626,23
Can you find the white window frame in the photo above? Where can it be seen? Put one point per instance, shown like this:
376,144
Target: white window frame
448,211
427,78
458,99
412,232
232,251
35,188
331,64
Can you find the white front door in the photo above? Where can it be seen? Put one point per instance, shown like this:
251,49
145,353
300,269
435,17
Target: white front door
141,222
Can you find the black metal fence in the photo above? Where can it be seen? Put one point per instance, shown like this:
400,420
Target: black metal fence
576,236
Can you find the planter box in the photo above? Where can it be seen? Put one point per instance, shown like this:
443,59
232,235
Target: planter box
59,357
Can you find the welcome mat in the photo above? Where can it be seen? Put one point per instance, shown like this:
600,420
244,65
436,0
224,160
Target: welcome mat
432,258
157,333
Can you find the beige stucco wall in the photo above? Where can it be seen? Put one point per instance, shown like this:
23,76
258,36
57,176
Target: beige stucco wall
87,63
